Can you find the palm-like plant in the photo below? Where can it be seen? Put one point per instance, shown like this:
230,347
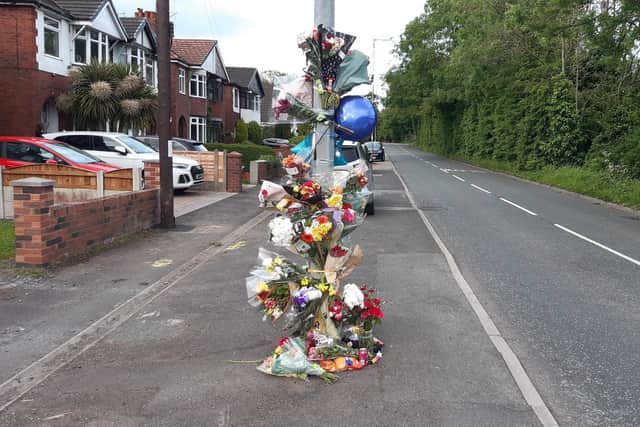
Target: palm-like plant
101,94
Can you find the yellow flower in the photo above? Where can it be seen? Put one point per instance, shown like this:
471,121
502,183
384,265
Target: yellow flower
278,350
304,281
277,260
296,188
332,291
335,201
262,287
320,231
323,287
282,204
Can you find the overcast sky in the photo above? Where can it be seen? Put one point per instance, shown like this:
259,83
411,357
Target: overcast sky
263,34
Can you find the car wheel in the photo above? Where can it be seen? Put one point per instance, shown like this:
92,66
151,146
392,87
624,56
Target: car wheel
369,209
382,158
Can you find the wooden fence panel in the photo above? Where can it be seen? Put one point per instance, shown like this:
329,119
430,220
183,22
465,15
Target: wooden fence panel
64,176
119,180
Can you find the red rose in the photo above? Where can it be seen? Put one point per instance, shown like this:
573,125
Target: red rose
376,301
367,304
347,206
322,219
306,237
364,314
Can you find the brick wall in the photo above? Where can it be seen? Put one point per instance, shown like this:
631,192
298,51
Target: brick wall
183,105
151,174
24,88
234,172
47,234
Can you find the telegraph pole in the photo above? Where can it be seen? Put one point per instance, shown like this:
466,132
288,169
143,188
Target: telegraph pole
324,13
167,220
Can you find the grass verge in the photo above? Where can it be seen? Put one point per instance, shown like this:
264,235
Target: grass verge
598,184
7,240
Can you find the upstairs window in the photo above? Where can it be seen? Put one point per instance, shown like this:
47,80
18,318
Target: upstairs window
149,71
182,81
51,37
90,46
198,86
236,99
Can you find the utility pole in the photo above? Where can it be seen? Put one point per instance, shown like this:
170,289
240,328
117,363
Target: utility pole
373,78
324,156
167,219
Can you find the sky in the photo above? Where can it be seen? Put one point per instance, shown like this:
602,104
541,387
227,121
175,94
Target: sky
263,34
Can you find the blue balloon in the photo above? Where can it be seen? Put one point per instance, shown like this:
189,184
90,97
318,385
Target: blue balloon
358,115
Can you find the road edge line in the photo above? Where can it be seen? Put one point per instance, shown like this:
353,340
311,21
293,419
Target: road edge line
520,376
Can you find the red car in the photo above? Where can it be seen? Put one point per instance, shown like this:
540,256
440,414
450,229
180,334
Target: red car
21,151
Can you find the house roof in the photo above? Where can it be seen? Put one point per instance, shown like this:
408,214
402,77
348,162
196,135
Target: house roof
131,25
47,4
241,75
84,10
191,51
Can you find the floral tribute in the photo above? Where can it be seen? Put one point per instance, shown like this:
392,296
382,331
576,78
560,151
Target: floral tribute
328,324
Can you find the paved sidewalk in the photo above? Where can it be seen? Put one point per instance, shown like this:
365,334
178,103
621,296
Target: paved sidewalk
192,200
169,364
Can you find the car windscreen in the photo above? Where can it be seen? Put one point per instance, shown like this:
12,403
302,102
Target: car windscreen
350,153
72,153
198,147
135,145
373,145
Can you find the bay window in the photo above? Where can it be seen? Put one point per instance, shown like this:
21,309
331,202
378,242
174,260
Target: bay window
198,129
198,86
90,46
141,62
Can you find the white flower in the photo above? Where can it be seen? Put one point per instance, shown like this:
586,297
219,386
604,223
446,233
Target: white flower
352,296
281,231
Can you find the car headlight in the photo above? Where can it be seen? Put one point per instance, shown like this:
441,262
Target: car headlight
180,166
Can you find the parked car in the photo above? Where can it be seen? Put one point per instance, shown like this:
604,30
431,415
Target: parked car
275,142
178,144
127,152
355,157
375,149
21,151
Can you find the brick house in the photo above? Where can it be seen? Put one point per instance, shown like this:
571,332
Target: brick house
40,41
201,108
247,83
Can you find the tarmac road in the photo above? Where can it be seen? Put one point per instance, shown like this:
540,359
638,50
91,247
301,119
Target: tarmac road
558,273
162,356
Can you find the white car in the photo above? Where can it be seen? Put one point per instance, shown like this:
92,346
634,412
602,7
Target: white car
356,159
127,152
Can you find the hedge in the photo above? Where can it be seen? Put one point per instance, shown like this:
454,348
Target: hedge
249,151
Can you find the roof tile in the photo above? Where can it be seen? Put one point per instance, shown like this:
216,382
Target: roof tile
191,51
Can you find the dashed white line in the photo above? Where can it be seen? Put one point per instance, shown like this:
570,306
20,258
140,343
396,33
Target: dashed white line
518,206
444,170
435,166
477,187
518,372
600,245
458,178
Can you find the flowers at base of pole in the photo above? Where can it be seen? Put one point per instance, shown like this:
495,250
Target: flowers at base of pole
304,295
307,190
334,201
352,296
369,312
294,165
335,310
282,232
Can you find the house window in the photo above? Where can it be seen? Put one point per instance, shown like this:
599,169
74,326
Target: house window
198,86
182,81
149,71
214,130
215,90
90,46
243,100
198,129
51,36
137,58
256,103
236,99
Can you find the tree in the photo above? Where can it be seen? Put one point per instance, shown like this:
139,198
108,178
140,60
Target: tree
108,96
242,133
254,132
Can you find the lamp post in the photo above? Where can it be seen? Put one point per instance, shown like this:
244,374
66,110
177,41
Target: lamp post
324,156
373,76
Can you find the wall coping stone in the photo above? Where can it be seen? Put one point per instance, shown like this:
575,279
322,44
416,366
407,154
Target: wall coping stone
32,182
234,154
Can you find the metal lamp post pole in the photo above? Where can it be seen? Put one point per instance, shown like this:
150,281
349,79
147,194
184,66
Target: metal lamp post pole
324,156
373,77
167,219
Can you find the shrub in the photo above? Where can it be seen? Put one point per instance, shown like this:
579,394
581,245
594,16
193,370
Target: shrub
242,132
254,132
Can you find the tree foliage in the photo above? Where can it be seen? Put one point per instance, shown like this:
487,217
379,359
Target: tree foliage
242,132
108,94
254,132
534,82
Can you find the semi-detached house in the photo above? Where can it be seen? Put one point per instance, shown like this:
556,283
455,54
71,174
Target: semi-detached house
42,40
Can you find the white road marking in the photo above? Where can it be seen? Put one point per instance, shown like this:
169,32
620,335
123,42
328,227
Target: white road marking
444,170
21,383
435,166
518,206
377,174
600,245
477,187
458,178
520,376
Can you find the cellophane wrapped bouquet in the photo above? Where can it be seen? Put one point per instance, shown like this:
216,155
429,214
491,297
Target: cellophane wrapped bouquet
328,326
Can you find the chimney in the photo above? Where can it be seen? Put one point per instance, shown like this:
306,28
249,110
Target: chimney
139,13
152,17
